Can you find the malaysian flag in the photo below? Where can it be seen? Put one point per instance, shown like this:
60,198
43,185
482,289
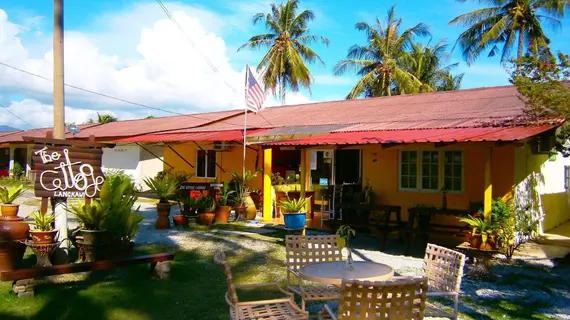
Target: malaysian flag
255,95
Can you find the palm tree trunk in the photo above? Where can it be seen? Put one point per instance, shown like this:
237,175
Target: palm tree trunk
283,90
520,50
387,84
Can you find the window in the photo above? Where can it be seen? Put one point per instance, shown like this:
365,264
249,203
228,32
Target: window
408,169
206,164
453,170
430,170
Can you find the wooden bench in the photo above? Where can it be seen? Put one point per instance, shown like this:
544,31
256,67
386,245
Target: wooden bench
24,282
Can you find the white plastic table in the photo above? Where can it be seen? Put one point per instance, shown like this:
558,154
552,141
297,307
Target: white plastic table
333,272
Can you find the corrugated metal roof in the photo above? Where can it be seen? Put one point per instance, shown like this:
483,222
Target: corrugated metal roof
144,126
299,130
480,134
231,135
461,108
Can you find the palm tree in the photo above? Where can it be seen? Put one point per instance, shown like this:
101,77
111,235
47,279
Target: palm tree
450,82
103,118
288,39
380,63
427,64
504,22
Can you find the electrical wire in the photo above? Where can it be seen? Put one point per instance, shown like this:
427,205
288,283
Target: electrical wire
24,121
210,63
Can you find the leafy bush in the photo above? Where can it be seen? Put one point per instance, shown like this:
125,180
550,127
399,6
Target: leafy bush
118,194
7,196
91,216
293,205
42,222
18,171
163,185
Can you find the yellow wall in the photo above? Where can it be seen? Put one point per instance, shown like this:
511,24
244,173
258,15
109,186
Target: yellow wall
554,199
381,166
231,161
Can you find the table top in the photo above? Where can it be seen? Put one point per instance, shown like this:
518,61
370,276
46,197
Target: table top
334,271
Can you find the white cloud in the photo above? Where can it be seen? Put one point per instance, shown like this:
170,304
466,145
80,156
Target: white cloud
41,115
165,69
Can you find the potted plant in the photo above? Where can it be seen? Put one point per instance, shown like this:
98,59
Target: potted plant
483,233
43,232
164,186
8,196
13,230
91,217
344,232
118,194
293,212
223,210
243,202
207,209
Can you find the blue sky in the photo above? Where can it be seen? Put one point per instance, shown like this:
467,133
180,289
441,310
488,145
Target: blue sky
115,33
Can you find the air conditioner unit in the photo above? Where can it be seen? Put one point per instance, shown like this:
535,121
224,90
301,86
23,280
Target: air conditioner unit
220,146
544,144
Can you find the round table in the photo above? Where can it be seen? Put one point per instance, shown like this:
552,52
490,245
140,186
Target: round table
334,271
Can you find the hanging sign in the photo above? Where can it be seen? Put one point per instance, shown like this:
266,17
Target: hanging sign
67,172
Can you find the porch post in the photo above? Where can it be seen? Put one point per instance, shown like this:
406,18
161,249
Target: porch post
267,201
303,172
11,163
488,185
28,159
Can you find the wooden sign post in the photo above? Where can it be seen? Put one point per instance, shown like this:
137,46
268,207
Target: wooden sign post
66,169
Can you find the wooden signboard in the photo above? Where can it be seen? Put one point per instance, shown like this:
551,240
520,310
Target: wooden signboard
67,171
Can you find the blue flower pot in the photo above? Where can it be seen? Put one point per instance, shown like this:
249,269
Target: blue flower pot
295,220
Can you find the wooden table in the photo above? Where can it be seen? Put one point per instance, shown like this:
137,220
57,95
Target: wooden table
481,267
333,272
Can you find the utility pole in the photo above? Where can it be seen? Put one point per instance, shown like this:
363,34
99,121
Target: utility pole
59,204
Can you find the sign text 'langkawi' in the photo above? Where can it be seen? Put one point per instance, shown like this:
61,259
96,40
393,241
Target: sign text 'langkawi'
68,172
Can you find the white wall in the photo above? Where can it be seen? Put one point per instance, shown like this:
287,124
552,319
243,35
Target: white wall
150,166
123,157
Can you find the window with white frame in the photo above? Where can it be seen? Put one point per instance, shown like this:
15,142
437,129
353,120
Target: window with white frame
206,164
453,171
408,170
429,170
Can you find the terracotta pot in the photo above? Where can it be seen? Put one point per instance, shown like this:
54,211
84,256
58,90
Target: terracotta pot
43,237
240,211
93,237
207,218
223,214
179,220
162,220
10,210
12,230
476,240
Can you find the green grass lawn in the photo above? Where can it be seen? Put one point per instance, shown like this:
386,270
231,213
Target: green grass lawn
197,285
194,291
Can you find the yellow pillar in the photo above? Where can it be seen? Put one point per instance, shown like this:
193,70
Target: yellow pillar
488,185
303,173
267,204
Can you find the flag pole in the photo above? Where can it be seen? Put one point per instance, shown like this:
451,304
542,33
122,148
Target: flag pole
245,118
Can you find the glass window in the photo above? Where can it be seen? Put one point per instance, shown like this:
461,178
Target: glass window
453,170
206,164
408,169
430,170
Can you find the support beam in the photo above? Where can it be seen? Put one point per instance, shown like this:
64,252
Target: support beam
154,155
303,173
179,155
267,187
488,185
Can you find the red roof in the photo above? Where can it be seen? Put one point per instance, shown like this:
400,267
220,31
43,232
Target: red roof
446,109
129,128
419,136
231,135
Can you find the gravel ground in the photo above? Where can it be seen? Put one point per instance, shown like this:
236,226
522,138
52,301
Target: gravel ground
536,282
